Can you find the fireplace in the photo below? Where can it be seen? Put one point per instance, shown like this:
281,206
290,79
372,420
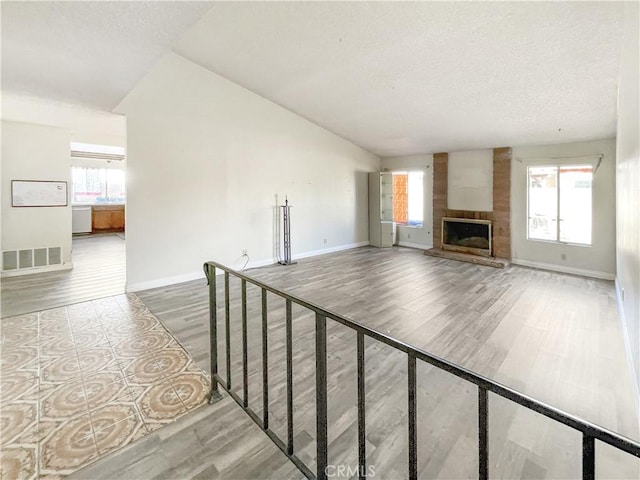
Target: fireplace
466,235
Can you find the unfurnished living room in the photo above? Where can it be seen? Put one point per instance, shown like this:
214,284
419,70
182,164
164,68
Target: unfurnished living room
332,240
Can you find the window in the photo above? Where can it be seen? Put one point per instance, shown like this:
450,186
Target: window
408,200
560,203
98,185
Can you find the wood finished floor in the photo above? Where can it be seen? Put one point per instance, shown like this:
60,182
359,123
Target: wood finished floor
552,336
555,337
215,442
98,271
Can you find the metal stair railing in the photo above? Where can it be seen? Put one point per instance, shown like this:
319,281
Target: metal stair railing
590,432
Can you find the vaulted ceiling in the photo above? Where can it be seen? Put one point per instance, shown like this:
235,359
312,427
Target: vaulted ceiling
91,53
394,77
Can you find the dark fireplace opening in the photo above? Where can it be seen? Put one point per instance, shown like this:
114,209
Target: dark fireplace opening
472,236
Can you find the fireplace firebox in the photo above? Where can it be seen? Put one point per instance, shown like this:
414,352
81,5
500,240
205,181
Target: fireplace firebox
466,236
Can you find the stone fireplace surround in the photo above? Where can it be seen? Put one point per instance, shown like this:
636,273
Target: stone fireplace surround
500,217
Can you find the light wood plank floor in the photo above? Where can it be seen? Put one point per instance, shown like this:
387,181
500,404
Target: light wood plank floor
98,271
215,442
552,336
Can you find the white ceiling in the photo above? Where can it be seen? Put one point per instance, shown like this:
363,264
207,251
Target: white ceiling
91,53
396,78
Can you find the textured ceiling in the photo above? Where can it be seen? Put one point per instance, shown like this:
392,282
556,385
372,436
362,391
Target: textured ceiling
400,78
394,77
90,53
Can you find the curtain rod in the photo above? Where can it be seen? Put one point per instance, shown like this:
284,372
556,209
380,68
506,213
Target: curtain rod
520,159
599,155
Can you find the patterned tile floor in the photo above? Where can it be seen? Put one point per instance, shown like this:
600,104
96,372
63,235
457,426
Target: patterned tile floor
81,381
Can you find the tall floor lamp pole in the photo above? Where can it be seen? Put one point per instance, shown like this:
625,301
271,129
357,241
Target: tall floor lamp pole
286,220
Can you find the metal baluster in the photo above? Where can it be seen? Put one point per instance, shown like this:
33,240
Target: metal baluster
591,433
227,323
362,450
321,397
413,438
588,457
210,272
483,434
289,334
245,367
265,364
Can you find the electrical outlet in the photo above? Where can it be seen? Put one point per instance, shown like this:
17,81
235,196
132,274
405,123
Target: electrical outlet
245,252
563,256
325,240
408,235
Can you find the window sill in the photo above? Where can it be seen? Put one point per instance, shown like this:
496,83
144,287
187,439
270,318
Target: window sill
406,225
96,204
555,242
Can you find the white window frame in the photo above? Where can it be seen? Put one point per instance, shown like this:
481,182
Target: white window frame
557,166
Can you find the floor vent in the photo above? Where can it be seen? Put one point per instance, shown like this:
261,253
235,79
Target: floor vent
31,258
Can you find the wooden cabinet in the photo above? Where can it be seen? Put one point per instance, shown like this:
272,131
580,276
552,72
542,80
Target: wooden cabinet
107,218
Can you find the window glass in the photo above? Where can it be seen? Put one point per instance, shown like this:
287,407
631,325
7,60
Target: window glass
400,197
416,198
408,198
115,185
560,203
575,204
543,203
98,185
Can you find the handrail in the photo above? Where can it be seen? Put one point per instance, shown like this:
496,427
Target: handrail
590,431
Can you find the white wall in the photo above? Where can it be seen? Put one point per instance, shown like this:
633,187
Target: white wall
35,152
86,125
36,137
206,161
628,186
470,180
596,260
419,237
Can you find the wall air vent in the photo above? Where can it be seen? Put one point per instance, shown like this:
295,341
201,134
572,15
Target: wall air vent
31,258
55,255
25,258
39,257
10,260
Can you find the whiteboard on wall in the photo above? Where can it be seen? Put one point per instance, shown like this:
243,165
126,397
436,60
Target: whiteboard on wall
38,193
